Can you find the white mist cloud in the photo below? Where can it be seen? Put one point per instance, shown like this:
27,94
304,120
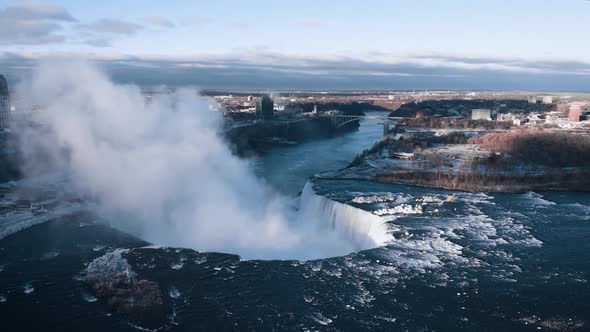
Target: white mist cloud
160,168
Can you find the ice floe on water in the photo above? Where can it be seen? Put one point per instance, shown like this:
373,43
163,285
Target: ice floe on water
98,247
174,292
200,259
377,198
88,298
320,319
50,255
178,265
438,200
28,288
405,209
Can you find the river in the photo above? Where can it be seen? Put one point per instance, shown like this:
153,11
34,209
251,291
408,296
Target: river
454,262
287,169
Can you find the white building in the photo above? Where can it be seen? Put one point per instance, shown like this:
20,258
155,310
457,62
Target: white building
481,114
548,100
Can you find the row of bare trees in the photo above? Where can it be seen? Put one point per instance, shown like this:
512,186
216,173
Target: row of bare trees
547,148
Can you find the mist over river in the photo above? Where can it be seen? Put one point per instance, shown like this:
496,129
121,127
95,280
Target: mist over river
445,261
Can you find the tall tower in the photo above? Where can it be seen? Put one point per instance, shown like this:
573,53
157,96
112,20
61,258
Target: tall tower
4,104
265,108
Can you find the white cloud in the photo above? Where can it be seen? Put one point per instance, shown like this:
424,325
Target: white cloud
159,21
33,24
310,22
112,26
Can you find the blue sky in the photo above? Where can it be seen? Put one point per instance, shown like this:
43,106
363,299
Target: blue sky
379,44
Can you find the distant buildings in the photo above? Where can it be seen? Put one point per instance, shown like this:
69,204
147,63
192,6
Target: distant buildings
575,113
265,108
506,117
481,114
520,121
548,100
4,104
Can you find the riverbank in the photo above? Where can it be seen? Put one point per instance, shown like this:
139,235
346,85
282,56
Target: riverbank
456,162
251,138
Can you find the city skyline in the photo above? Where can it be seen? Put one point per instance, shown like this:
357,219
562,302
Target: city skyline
511,45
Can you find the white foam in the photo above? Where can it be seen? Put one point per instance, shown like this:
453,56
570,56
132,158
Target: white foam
320,319
98,247
50,255
362,228
376,198
88,298
403,209
174,292
28,288
537,199
177,266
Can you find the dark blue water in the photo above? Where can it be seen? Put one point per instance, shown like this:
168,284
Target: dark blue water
287,169
455,262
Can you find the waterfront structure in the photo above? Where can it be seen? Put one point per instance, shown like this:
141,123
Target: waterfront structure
265,108
506,117
481,114
4,104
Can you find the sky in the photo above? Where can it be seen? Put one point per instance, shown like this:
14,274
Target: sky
259,44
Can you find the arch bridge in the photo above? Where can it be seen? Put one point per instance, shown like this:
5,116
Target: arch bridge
340,120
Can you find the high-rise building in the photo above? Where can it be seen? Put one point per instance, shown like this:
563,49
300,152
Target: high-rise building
4,104
575,112
265,108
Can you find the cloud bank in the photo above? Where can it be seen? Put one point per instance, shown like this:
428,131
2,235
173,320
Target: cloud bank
33,24
264,70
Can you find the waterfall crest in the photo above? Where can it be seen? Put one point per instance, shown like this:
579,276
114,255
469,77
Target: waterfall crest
364,229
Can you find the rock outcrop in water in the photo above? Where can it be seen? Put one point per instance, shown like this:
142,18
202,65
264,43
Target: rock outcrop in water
516,166
114,282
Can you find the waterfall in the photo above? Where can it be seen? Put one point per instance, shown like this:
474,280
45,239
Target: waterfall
364,229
